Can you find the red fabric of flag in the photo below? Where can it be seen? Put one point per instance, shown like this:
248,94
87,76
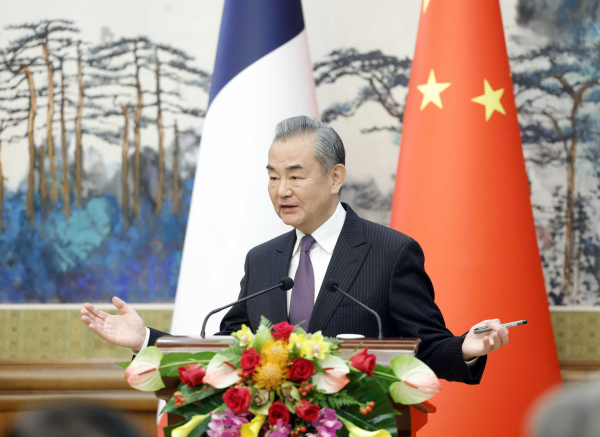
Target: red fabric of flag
462,193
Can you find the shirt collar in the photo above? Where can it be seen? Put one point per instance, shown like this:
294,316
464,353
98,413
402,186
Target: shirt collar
328,233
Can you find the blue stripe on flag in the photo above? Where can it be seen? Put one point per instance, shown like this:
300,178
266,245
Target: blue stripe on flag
249,31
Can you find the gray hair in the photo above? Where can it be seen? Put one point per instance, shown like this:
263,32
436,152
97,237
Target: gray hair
329,149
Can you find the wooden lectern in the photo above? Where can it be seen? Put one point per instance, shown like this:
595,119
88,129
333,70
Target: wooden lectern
412,419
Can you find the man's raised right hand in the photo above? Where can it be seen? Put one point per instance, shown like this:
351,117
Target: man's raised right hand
127,330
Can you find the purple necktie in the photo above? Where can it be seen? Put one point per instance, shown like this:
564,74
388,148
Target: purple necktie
303,293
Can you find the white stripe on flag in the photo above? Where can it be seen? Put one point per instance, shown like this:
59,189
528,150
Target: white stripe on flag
231,211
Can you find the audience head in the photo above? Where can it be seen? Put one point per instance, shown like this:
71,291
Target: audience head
70,420
572,412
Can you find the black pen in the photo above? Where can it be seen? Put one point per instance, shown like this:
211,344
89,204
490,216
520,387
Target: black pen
506,325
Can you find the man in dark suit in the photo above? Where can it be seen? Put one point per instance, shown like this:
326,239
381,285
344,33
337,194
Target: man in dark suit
378,266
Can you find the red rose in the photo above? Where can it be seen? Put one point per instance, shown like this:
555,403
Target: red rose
237,399
250,359
364,362
191,375
282,331
307,411
301,370
278,411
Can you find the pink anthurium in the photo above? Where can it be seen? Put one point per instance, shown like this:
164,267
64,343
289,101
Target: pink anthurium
418,382
143,373
220,373
334,379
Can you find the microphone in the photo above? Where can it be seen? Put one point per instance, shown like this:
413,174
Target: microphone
333,286
284,283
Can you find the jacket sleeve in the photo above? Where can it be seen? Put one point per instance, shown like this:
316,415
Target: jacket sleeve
155,334
415,314
237,315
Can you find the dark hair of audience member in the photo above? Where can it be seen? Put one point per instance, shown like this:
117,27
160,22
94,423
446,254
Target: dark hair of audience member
71,420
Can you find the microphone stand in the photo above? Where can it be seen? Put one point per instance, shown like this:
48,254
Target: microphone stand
336,287
282,284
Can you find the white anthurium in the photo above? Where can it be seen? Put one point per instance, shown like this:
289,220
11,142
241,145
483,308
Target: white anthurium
143,374
334,379
220,373
418,384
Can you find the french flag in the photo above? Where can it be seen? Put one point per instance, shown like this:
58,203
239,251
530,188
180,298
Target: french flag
263,74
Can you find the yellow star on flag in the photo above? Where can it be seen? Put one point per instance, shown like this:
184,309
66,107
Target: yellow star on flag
490,99
425,4
431,91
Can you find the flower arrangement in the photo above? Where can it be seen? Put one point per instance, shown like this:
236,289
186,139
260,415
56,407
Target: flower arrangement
283,382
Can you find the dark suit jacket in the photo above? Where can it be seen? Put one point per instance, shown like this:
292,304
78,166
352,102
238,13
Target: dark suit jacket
378,266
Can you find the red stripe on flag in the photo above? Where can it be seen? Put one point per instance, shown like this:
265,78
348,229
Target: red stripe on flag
164,421
462,192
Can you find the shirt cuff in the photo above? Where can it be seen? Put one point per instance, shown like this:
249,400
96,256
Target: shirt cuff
469,363
148,339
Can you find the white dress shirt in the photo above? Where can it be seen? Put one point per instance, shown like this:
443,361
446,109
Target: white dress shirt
326,237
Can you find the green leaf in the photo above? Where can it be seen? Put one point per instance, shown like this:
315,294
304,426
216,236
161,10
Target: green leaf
365,389
341,399
364,424
188,411
383,380
263,334
193,394
300,331
124,364
171,362
231,358
382,369
200,429
211,403
232,354
265,322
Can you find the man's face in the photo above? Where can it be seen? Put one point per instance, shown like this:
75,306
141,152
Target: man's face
302,196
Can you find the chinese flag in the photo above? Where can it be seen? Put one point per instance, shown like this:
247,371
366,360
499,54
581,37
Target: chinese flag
462,193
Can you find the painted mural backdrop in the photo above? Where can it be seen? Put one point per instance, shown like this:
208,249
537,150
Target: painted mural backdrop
73,231
101,130
555,59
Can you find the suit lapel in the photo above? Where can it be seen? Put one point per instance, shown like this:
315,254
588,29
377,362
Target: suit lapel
280,265
347,259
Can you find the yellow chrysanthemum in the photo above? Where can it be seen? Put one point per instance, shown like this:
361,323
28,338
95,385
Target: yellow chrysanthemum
272,371
315,347
270,375
244,335
275,352
296,340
